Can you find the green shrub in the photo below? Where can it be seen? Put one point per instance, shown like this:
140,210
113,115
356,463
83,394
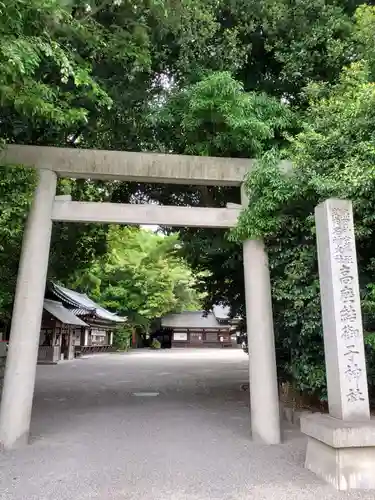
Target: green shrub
122,338
155,344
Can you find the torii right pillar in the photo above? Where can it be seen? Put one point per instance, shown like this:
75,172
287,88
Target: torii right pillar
341,445
264,396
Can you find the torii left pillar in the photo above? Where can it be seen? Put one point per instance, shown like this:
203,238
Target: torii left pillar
19,381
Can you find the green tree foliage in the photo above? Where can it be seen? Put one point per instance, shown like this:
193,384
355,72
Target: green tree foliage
83,73
333,156
134,49
281,47
15,194
222,77
289,42
142,276
45,88
42,83
73,246
217,117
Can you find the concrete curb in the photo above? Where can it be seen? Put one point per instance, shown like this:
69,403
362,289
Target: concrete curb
292,415
287,413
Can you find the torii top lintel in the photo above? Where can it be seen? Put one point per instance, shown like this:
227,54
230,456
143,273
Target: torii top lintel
130,166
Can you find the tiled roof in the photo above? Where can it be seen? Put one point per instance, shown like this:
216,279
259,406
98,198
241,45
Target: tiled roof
191,319
83,303
78,311
219,317
62,313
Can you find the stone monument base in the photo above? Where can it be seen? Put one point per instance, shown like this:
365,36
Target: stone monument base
340,452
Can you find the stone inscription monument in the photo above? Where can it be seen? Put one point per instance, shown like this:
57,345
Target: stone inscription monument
341,445
341,311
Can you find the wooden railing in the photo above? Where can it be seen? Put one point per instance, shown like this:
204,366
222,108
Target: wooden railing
92,349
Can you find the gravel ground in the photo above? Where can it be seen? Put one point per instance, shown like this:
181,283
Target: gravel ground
94,438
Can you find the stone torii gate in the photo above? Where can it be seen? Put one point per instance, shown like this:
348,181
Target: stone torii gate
17,397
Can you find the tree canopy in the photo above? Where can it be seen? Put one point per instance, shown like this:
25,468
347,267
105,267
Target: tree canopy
270,79
142,276
332,156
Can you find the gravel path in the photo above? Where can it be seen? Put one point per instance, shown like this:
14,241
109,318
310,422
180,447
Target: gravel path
93,438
